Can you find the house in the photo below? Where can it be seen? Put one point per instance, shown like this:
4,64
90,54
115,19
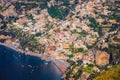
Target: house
62,34
78,56
22,20
86,60
10,11
65,45
73,37
52,48
112,21
84,76
91,41
118,35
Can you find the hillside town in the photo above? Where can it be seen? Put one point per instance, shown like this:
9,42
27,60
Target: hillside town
82,37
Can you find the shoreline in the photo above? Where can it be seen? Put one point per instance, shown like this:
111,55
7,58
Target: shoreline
26,53
60,64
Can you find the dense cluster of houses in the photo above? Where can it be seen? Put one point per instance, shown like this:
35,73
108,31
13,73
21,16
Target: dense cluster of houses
59,35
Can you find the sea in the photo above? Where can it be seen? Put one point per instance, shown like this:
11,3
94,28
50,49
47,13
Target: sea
19,66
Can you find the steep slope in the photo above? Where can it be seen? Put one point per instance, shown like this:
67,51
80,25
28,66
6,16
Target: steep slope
111,74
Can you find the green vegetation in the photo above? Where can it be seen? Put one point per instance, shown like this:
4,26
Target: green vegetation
93,20
111,74
81,50
42,3
116,39
26,40
25,24
1,8
95,26
91,25
89,46
72,49
30,6
33,41
30,17
113,48
70,71
88,69
12,19
83,33
56,12
38,34
18,32
77,74
26,6
66,2
38,12
103,16
115,12
94,36
70,56
117,18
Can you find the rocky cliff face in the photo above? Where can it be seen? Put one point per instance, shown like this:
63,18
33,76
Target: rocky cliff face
102,58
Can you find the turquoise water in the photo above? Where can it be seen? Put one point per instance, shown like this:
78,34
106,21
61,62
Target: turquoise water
18,66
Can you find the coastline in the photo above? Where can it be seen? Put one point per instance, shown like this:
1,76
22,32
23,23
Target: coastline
60,64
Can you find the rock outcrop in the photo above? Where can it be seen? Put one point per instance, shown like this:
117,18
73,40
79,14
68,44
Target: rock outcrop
101,58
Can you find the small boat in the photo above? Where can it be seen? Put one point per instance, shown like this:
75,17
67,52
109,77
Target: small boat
46,63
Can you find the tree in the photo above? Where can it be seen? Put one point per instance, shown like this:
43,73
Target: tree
80,50
56,12
1,8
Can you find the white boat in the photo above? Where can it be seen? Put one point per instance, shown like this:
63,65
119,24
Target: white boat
46,63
